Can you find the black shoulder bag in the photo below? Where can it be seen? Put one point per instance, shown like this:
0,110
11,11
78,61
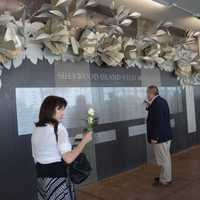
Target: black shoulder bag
80,169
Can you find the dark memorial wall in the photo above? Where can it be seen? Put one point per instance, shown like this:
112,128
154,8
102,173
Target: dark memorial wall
123,152
116,149
17,169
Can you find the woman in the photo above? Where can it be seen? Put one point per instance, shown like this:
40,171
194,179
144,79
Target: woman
52,150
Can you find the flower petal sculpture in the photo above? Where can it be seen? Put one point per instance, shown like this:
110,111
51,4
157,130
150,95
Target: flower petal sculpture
56,33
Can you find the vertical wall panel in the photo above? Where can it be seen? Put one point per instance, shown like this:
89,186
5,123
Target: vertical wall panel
17,169
190,108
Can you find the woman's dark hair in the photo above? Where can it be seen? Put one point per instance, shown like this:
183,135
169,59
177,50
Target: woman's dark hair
47,111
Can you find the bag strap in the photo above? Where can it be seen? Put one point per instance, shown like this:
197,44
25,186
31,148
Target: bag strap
56,131
72,193
73,197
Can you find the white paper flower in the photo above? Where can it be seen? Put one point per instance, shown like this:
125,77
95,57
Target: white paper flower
19,59
34,52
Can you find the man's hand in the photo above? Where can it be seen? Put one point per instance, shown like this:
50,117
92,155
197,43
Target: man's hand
154,141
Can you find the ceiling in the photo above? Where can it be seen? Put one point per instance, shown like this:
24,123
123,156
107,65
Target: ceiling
157,12
154,11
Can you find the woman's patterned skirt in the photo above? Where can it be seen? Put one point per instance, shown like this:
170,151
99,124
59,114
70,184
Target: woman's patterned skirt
55,189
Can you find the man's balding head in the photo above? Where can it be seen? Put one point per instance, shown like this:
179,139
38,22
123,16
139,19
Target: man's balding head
152,91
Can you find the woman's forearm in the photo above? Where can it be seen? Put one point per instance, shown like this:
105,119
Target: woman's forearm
69,157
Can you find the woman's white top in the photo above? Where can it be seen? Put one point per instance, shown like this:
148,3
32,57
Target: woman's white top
45,148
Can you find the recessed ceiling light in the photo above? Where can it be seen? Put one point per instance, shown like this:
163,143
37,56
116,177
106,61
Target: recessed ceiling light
165,2
173,4
197,15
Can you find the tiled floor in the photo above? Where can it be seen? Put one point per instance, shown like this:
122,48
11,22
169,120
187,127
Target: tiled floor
137,184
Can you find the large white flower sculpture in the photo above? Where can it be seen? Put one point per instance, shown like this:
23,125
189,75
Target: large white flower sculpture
56,33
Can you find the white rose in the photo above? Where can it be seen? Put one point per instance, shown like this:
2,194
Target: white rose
91,111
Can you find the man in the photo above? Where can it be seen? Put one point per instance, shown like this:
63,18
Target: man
159,134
